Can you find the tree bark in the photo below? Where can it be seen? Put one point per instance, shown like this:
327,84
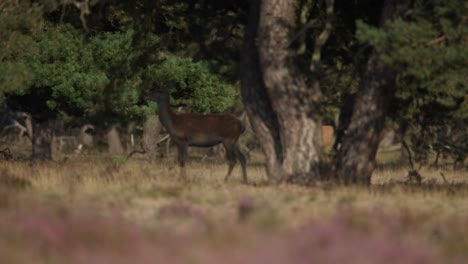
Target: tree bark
283,111
86,138
151,131
355,159
42,142
256,100
113,141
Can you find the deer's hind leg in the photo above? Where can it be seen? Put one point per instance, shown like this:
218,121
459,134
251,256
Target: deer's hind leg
240,156
182,157
230,158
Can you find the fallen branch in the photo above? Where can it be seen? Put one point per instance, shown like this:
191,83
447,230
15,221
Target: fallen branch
414,175
437,40
443,177
163,139
143,151
410,157
6,154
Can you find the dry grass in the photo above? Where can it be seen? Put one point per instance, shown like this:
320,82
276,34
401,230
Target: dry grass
152,197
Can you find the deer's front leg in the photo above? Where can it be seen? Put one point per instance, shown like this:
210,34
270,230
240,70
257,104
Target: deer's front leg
182,157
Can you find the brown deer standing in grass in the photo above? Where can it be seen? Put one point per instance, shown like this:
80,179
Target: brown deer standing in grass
198,130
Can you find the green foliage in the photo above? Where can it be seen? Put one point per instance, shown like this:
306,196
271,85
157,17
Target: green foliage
428,51
18,23
51,67
65,66
192,84
116,56
77,77
87,78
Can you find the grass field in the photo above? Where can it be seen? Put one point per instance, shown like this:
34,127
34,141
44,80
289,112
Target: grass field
93,210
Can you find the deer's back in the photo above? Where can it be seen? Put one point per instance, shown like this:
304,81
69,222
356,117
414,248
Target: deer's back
207,128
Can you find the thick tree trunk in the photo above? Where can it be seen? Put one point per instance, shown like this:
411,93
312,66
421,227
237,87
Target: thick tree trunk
42,142
355,159
113,141
282,110
86,138
294,103
26,120
256,100
150,139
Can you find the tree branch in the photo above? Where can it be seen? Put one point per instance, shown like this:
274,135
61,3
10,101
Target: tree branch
437,40
322,38
6,154
83,6
143,151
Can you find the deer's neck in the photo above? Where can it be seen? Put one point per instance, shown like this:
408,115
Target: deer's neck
165,115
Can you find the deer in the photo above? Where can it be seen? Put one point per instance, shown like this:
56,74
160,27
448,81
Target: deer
328,132
189,129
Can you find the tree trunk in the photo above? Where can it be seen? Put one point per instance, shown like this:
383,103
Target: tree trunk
26,120
256,100
113,141
355,159
86,138
150,139
294,104
42,142
282,110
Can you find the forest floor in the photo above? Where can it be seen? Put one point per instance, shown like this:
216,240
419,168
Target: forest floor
97,210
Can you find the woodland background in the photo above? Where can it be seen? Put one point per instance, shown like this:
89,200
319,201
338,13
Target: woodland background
75,80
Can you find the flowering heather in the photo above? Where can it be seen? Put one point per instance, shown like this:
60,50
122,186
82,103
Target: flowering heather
79,212
55,235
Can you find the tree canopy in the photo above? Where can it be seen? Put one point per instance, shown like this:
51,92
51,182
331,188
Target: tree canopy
57,69
428,51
